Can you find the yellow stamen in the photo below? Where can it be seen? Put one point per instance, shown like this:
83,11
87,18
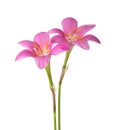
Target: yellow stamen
40,50
78,30
36,46
73,35
47,44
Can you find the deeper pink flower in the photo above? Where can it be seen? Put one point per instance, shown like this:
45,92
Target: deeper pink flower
40,49
74,35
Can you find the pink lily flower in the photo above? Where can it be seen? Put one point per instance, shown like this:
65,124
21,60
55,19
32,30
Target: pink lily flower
41,49
74,35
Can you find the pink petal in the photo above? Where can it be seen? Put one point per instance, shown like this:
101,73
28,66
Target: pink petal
58,39
42,61
24,54
56,30
83,44
91,38
60,48
69,24
42,38
26,43
84,29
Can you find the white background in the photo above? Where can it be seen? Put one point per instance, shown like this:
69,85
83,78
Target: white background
88,87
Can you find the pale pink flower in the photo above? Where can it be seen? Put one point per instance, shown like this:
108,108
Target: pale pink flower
40,49
74,35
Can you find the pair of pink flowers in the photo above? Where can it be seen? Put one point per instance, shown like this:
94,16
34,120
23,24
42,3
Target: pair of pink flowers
42,46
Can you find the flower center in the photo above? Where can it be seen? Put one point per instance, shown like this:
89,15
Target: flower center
41,50
73,36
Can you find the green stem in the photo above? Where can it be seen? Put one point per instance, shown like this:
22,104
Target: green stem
54,116
48,70
59,114
66,58
64,68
